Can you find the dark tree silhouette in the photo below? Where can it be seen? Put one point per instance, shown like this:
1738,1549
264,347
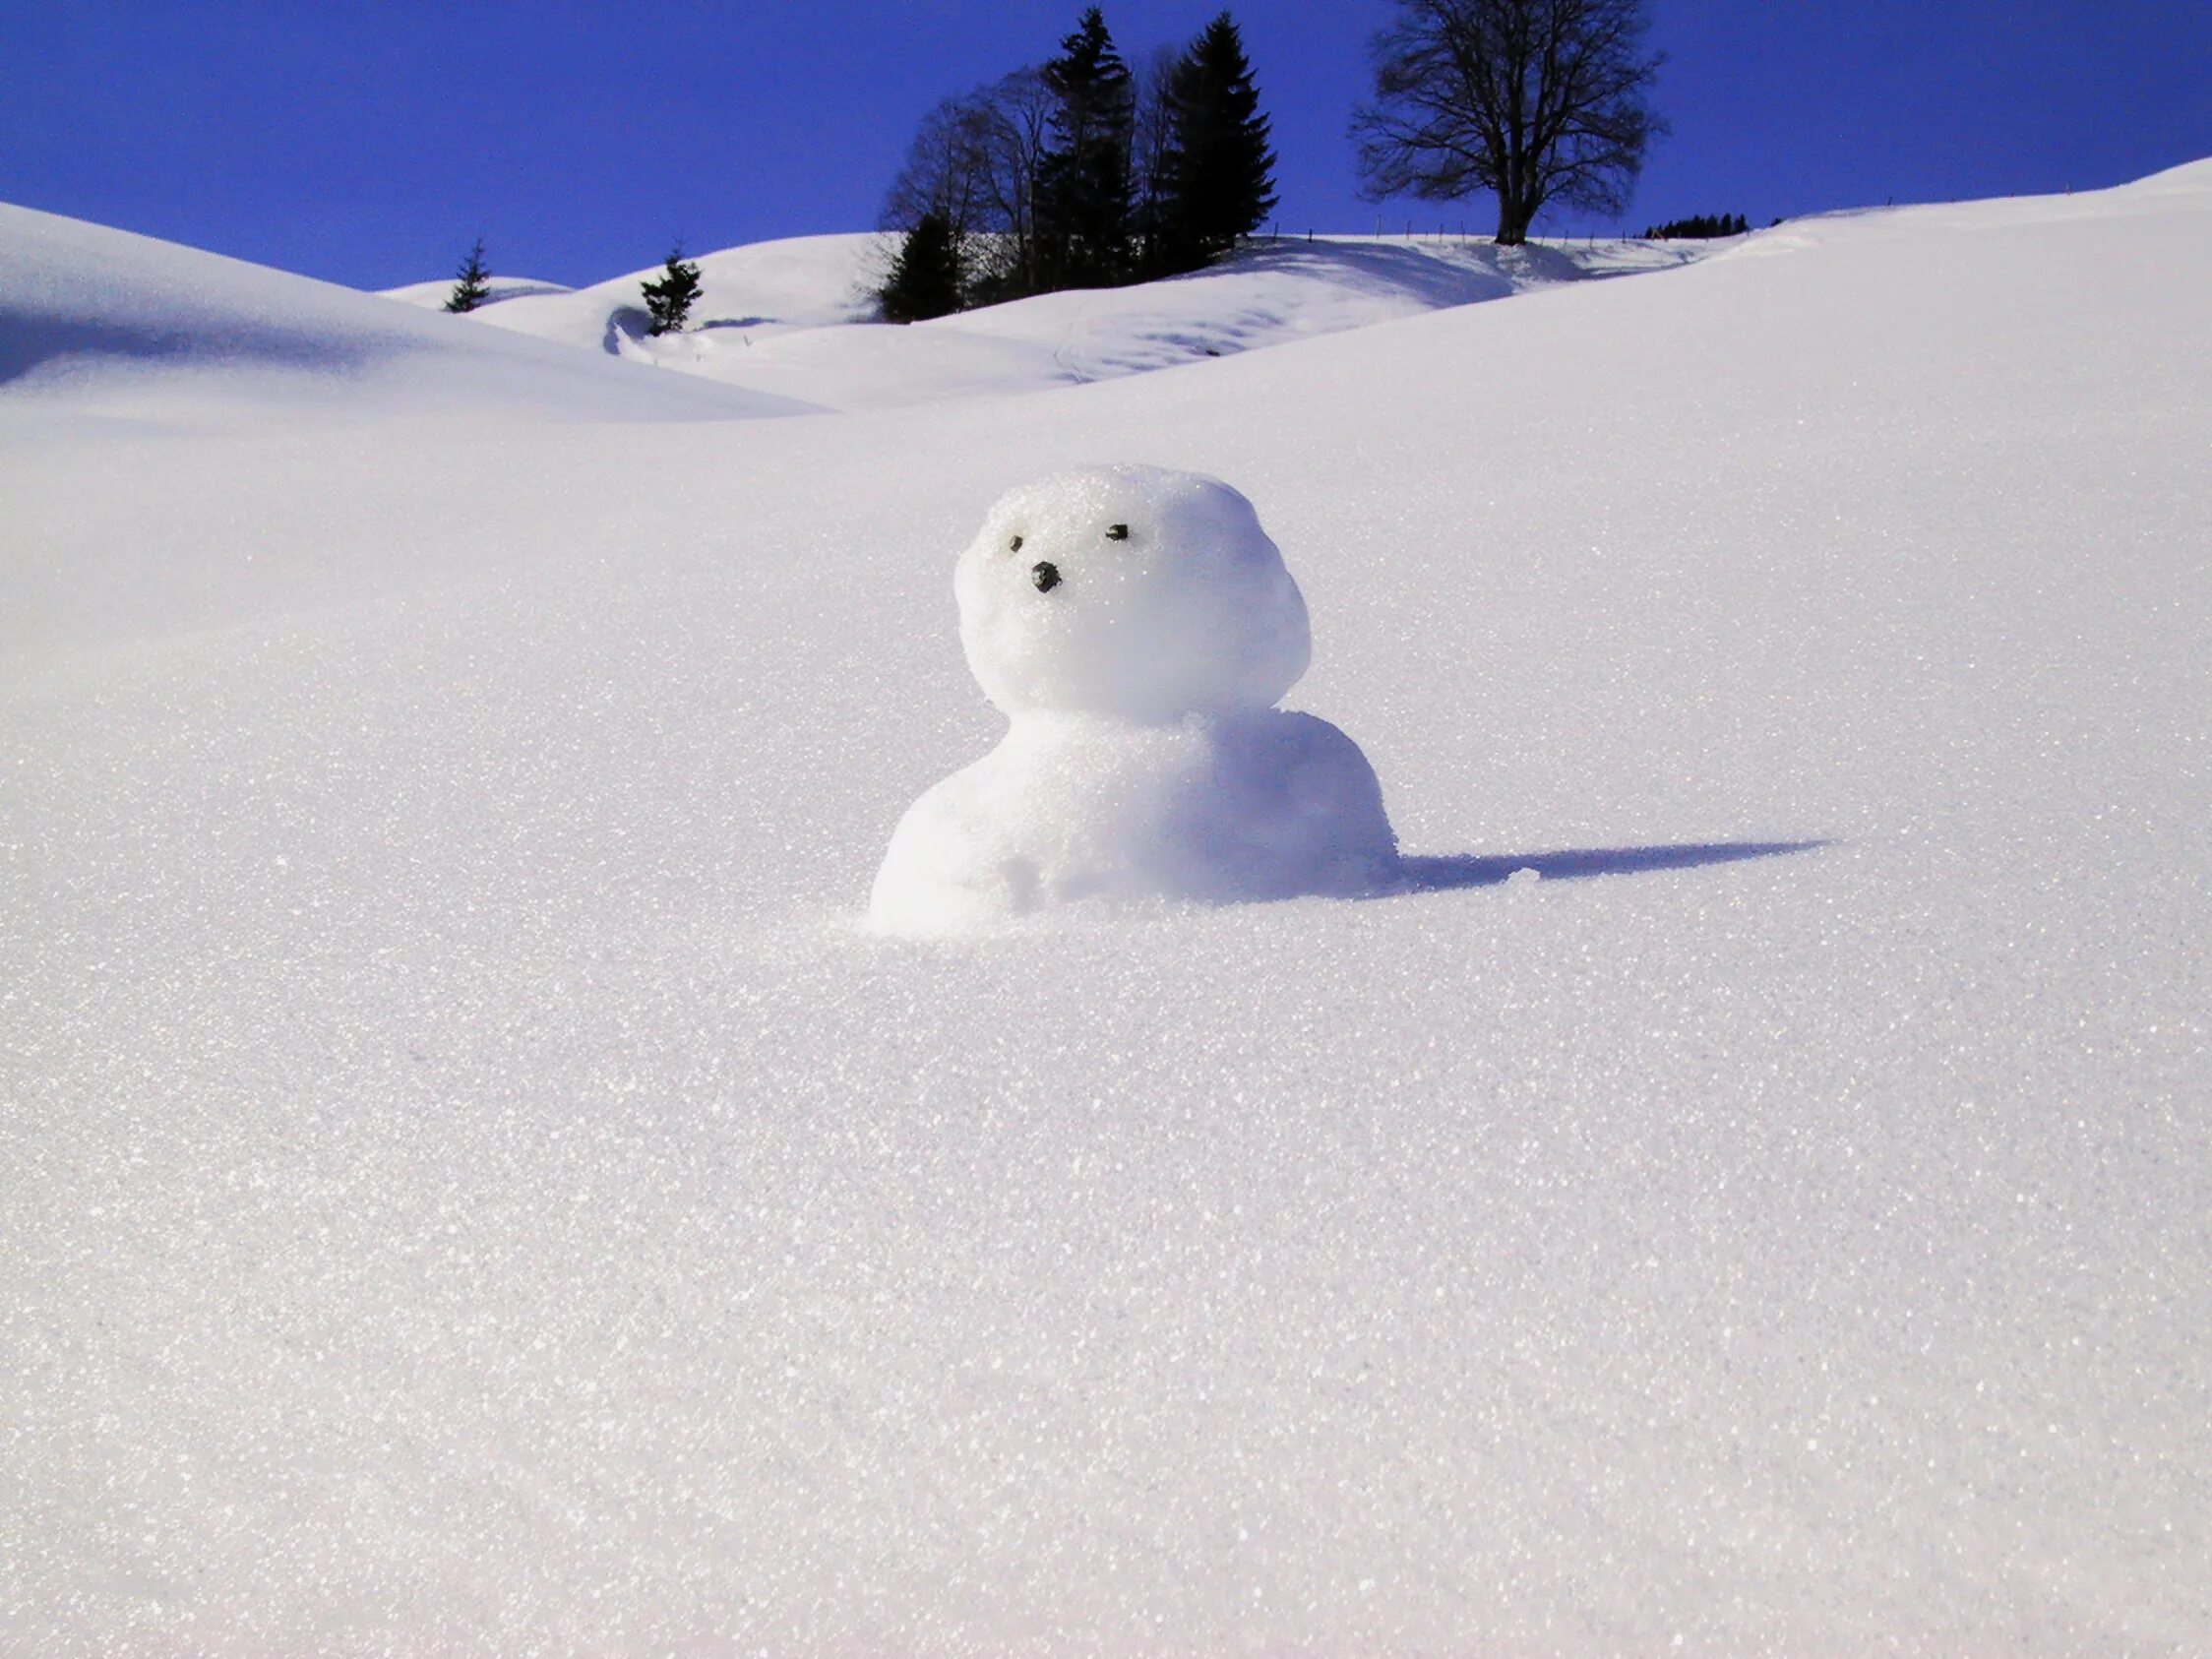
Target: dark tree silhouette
1083,185
1074,175
670,300
471,283
1220,166
1699,226
1537,100
927,278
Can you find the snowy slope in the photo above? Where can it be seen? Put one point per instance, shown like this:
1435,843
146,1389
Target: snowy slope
466,1182
143,328
794,317
797,283
432,296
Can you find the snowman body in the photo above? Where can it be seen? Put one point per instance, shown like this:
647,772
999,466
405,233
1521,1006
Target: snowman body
1135,626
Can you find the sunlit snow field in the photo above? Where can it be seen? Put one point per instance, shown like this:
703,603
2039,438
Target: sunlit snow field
468,1181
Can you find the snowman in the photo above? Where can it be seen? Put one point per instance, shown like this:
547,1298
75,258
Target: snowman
1135,626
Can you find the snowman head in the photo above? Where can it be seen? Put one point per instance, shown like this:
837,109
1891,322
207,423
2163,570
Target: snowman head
1132,591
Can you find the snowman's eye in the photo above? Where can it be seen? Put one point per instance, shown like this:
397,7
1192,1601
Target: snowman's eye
1116,532
1014,546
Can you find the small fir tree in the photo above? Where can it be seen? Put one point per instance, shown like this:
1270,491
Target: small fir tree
471,283
670,300
924,279
1221,166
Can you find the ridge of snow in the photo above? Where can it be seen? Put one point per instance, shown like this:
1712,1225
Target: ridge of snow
795,317
432,296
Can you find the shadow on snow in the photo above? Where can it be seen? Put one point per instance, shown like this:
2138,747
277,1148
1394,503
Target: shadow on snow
1442,874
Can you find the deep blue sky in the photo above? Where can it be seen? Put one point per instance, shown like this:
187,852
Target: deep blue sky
367,143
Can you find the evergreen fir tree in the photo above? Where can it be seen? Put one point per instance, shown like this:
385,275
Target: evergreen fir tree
471,283
668,301
1220,173
1700,225
924,279
1082,207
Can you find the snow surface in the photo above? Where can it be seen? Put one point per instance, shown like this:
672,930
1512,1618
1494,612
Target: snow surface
469,1182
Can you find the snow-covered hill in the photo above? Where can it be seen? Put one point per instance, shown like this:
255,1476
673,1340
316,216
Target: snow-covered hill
135,326
468,1182
796,317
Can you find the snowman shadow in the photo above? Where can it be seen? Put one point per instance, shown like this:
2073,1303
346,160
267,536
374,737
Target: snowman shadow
1445,873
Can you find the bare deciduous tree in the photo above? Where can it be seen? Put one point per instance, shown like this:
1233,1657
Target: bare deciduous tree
1151,152
1537,100
1017,127
974,163
941,174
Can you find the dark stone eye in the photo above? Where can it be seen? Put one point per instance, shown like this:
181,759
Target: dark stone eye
1116,532
1046,576
1014,546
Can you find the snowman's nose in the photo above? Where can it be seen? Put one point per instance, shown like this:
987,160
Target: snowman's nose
1045,575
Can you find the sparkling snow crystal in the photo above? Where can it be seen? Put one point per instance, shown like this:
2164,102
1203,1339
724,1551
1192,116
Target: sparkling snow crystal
1136,626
